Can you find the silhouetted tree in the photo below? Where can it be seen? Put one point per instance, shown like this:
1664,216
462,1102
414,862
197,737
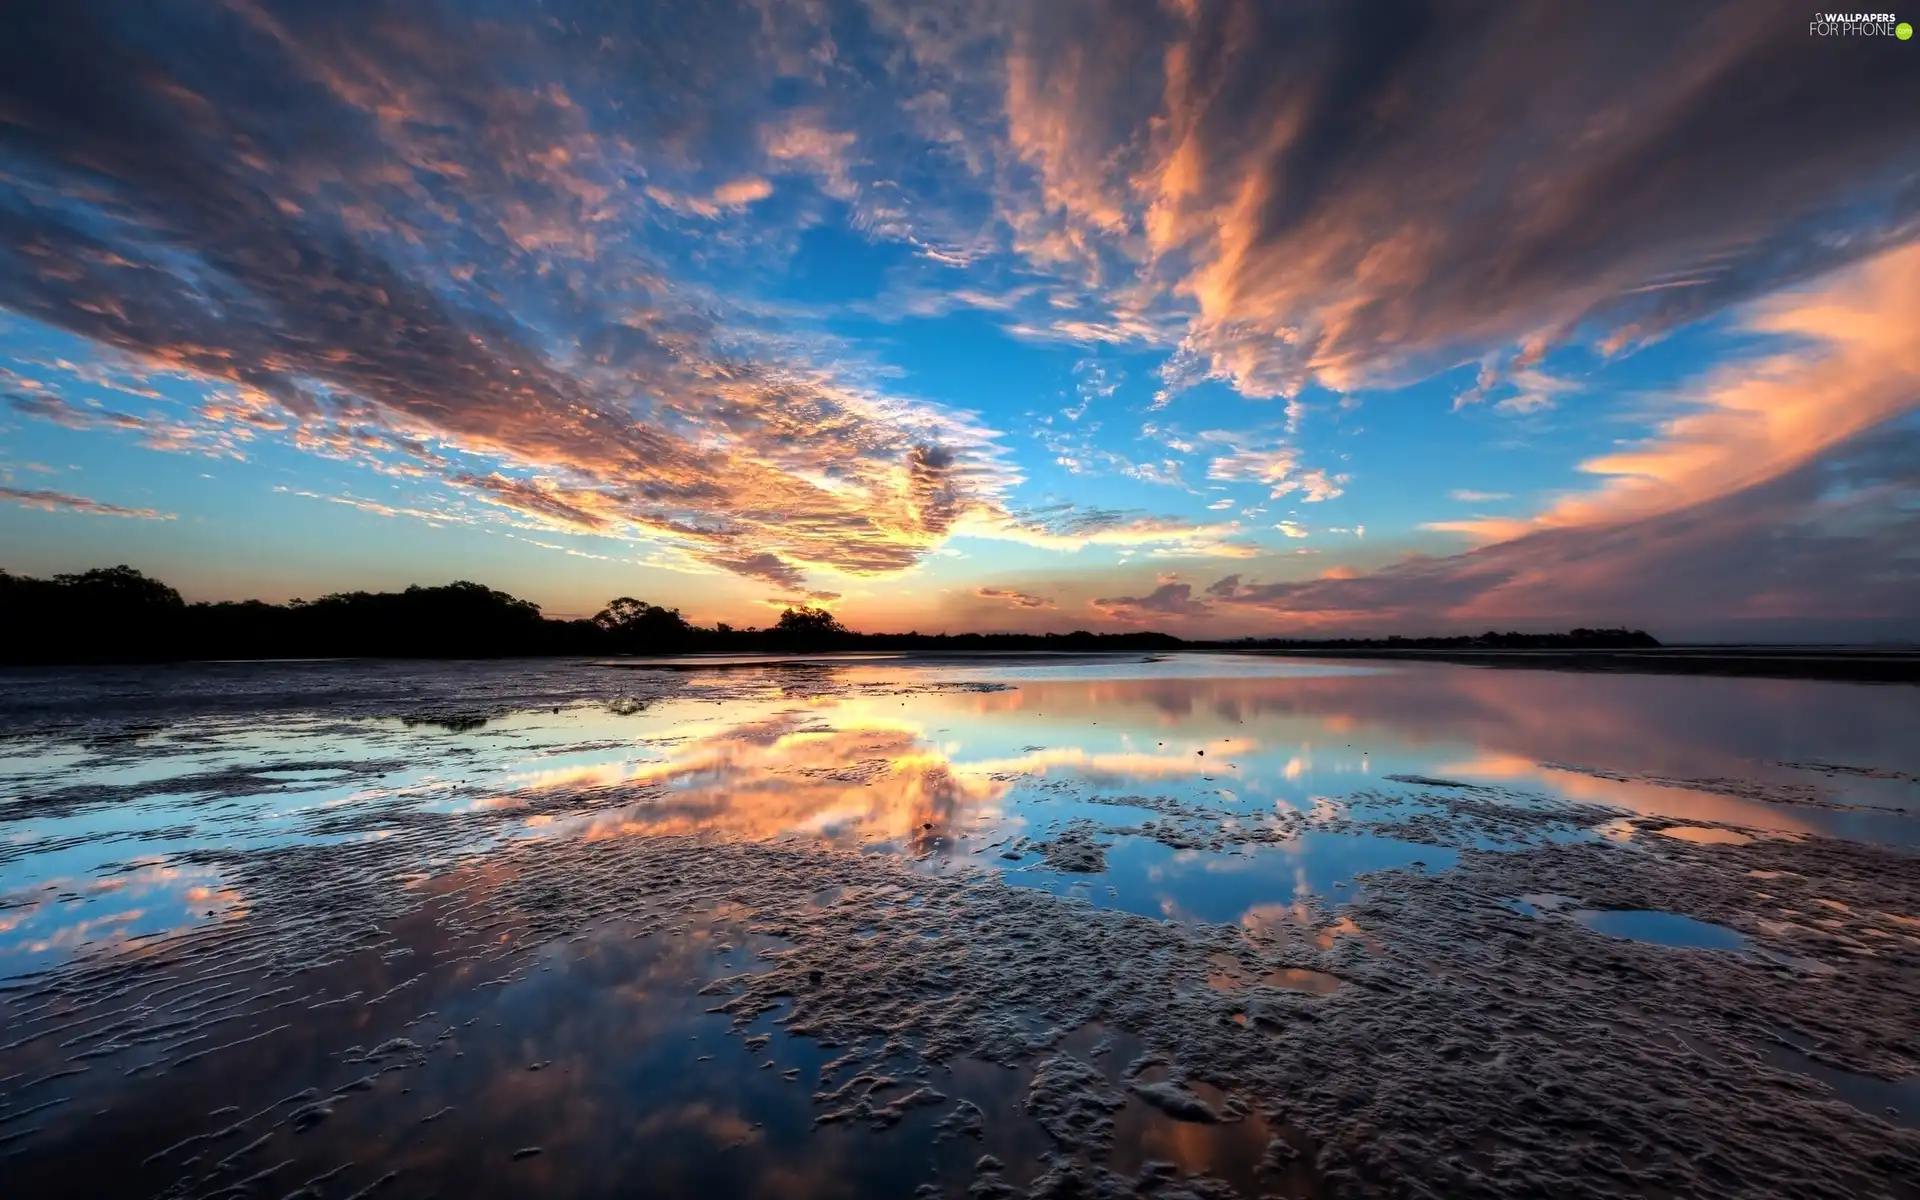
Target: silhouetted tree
807,628
109,613
118,589
461,619
638,627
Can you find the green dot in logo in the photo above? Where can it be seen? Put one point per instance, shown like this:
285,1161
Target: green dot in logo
1903,31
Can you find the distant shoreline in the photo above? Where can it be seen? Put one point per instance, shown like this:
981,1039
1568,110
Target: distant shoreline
117,615
1839,664
1848,664
1843,664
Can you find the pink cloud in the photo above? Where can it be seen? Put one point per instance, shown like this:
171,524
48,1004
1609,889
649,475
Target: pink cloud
51,501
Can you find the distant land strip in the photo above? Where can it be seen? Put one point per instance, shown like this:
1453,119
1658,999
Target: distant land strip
120,615
1850,664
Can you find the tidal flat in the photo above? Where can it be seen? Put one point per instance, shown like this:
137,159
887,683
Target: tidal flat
1183,926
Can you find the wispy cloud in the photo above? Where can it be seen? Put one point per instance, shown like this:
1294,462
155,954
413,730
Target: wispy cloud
1071,528
1787,473
1253,160
1852,363
1271,466
1013,599
50,501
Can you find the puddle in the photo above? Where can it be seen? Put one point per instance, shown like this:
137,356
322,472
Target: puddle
1659,928
1706,836
1155,880
1893,1101
1634,924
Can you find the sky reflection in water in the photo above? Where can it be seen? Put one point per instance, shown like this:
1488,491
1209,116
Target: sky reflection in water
92,848
603,1053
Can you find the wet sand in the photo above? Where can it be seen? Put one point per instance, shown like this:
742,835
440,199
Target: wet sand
1191,928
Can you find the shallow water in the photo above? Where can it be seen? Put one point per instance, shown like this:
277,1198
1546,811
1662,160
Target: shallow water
1660,928
1210,793
94,832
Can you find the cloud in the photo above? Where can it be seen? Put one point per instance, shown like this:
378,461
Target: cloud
1073,449
1169,438
1315,486
48,501
1769,554
1274,467
1786,473
1471,496
1529,388
1253,161
814,599
1012,598
1093,380
767,567
523,262
1535,391
800,143
1270,466
1072,527
430,516
445,276
1165,472
157,433
48,407
1851,362
1167,600
730,197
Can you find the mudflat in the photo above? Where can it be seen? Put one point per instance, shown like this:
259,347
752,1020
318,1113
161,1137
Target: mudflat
1200,925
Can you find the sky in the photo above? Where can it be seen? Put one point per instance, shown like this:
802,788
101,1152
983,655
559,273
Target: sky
1222,318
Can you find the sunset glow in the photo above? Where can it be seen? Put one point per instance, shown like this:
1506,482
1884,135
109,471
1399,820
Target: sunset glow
1214,318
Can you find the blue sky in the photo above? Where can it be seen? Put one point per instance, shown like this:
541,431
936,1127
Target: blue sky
1212,317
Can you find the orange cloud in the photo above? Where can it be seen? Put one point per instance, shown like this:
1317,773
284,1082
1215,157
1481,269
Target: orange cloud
1854,363
1334,198
1784,473
1013,598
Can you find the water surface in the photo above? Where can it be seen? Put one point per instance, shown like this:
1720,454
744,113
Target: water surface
1215,791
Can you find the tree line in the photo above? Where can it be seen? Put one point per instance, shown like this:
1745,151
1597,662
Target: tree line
118,614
